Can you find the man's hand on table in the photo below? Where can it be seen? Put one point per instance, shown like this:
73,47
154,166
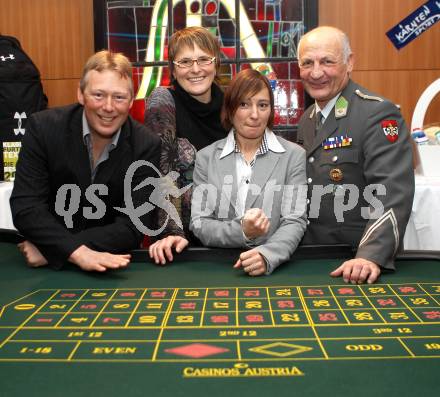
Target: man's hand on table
33,256
357,271
91,260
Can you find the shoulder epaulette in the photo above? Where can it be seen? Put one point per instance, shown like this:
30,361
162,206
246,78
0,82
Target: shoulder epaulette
370,97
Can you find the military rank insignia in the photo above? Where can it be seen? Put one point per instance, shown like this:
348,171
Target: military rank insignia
341,107
337,141
390,129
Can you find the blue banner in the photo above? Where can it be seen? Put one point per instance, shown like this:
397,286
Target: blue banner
415,24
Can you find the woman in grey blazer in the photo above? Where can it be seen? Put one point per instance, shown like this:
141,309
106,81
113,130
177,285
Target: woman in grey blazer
250,188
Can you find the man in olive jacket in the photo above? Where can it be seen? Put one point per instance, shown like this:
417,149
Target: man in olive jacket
359,160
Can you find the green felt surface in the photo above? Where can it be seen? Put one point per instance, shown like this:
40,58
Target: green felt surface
386,356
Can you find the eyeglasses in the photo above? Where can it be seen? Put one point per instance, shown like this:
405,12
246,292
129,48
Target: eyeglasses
188,62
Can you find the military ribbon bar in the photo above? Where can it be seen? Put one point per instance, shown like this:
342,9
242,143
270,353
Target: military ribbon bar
337,141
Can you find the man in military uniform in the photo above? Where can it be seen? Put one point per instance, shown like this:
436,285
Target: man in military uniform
359,160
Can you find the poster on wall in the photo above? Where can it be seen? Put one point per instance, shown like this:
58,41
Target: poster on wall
264,37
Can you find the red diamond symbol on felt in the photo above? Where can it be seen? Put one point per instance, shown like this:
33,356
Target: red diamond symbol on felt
197,350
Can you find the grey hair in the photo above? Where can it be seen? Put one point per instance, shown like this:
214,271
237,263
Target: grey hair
346,48
345,41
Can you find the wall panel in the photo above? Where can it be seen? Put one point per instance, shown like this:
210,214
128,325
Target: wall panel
57,35
401,75
403,87
61,92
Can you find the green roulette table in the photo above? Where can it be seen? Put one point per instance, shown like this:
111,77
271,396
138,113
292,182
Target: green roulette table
198,327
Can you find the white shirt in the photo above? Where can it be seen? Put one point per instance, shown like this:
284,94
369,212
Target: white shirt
327,108
242,168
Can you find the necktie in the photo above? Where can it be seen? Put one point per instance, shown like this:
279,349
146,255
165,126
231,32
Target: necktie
318,121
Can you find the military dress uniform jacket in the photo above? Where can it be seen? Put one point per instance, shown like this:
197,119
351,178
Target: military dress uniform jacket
360,161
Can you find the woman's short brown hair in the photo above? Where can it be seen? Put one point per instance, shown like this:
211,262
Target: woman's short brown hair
244,85
189,36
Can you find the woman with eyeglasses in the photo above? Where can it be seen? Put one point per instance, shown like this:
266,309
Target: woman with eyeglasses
187,118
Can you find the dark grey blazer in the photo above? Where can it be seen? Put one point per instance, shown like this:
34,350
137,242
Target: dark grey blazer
370,159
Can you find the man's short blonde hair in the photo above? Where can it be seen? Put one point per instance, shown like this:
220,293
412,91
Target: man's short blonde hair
106,60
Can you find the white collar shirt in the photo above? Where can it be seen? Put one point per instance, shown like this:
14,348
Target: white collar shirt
327,108
243,169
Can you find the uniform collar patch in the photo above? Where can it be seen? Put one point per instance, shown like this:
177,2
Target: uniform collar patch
390,129
341,107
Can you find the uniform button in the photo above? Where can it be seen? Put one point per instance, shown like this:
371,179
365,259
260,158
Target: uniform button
335,159
309,180
308,201
311,159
